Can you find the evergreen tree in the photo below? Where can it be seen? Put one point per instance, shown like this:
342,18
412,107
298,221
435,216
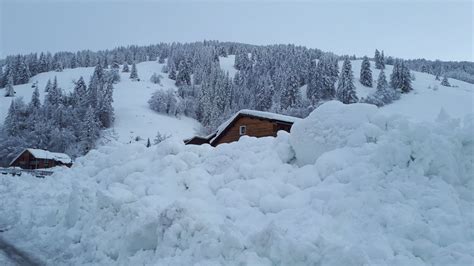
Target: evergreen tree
184,76
91,130
346,91
48,86
377,59
445,82
54,95
125,68
172,74
105,110
382,61
133,73
400,77
9,90
290,96
35,103
366,73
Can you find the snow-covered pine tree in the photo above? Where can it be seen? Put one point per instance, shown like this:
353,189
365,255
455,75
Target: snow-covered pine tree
9,90
290,96
377,59
346,91
90,130
125,68
54,95
184,76
105,110
172,74
79,97
382,60
35,103
365,73
134,73
400,77
445,82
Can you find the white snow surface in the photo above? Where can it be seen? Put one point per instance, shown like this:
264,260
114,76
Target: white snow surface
384,191
133,117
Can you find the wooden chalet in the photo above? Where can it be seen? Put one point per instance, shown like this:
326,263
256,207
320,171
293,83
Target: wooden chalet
249,123
37,159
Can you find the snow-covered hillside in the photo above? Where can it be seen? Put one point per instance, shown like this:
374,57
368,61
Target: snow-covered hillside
380,190
133,117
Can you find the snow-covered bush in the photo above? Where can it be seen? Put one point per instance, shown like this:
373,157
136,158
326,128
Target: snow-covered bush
156,79
164,101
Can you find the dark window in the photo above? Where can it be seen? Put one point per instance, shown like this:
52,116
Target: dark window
242,130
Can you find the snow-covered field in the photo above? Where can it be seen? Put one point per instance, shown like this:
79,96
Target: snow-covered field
133,117
381,190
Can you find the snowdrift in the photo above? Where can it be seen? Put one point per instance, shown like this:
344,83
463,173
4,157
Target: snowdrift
348,186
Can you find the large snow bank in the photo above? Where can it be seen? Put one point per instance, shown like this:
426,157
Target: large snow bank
398,193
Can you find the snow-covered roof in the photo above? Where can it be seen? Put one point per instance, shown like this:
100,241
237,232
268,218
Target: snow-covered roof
42,154
254,113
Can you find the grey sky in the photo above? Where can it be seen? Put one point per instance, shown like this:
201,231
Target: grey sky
408,29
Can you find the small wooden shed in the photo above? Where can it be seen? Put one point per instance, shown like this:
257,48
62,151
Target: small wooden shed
247,122
37,159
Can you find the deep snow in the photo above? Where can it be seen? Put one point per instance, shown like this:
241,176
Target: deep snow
387,191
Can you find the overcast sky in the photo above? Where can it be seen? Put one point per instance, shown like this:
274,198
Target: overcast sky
408,29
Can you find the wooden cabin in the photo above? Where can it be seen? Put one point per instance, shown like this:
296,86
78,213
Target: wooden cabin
246,123
37,159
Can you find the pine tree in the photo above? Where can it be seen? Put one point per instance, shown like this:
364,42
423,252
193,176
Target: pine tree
400,77
35,103
382,61
377,59
133,73
290,96
184,76
54,95
346,91
48,86
125,68
445,82
105,110
366,73
172,74
9,90
90,131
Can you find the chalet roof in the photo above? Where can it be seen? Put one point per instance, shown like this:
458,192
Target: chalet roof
42,154
254,113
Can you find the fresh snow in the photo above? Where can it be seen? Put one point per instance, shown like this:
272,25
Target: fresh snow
133,117
383,191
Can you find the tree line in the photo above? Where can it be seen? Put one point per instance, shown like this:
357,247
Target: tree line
68,123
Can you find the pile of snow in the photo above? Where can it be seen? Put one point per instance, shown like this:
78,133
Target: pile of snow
383,191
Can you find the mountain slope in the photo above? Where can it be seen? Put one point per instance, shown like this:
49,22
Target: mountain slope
133,117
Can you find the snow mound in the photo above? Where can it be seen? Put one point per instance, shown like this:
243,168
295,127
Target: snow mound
332,125
402,196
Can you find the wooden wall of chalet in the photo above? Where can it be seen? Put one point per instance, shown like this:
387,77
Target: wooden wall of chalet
255,127
28,161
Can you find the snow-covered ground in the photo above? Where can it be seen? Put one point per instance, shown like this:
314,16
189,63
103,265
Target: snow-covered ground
381,190
351,185
133,117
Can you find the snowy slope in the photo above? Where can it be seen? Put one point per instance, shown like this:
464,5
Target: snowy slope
381,191
133,117
422,104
